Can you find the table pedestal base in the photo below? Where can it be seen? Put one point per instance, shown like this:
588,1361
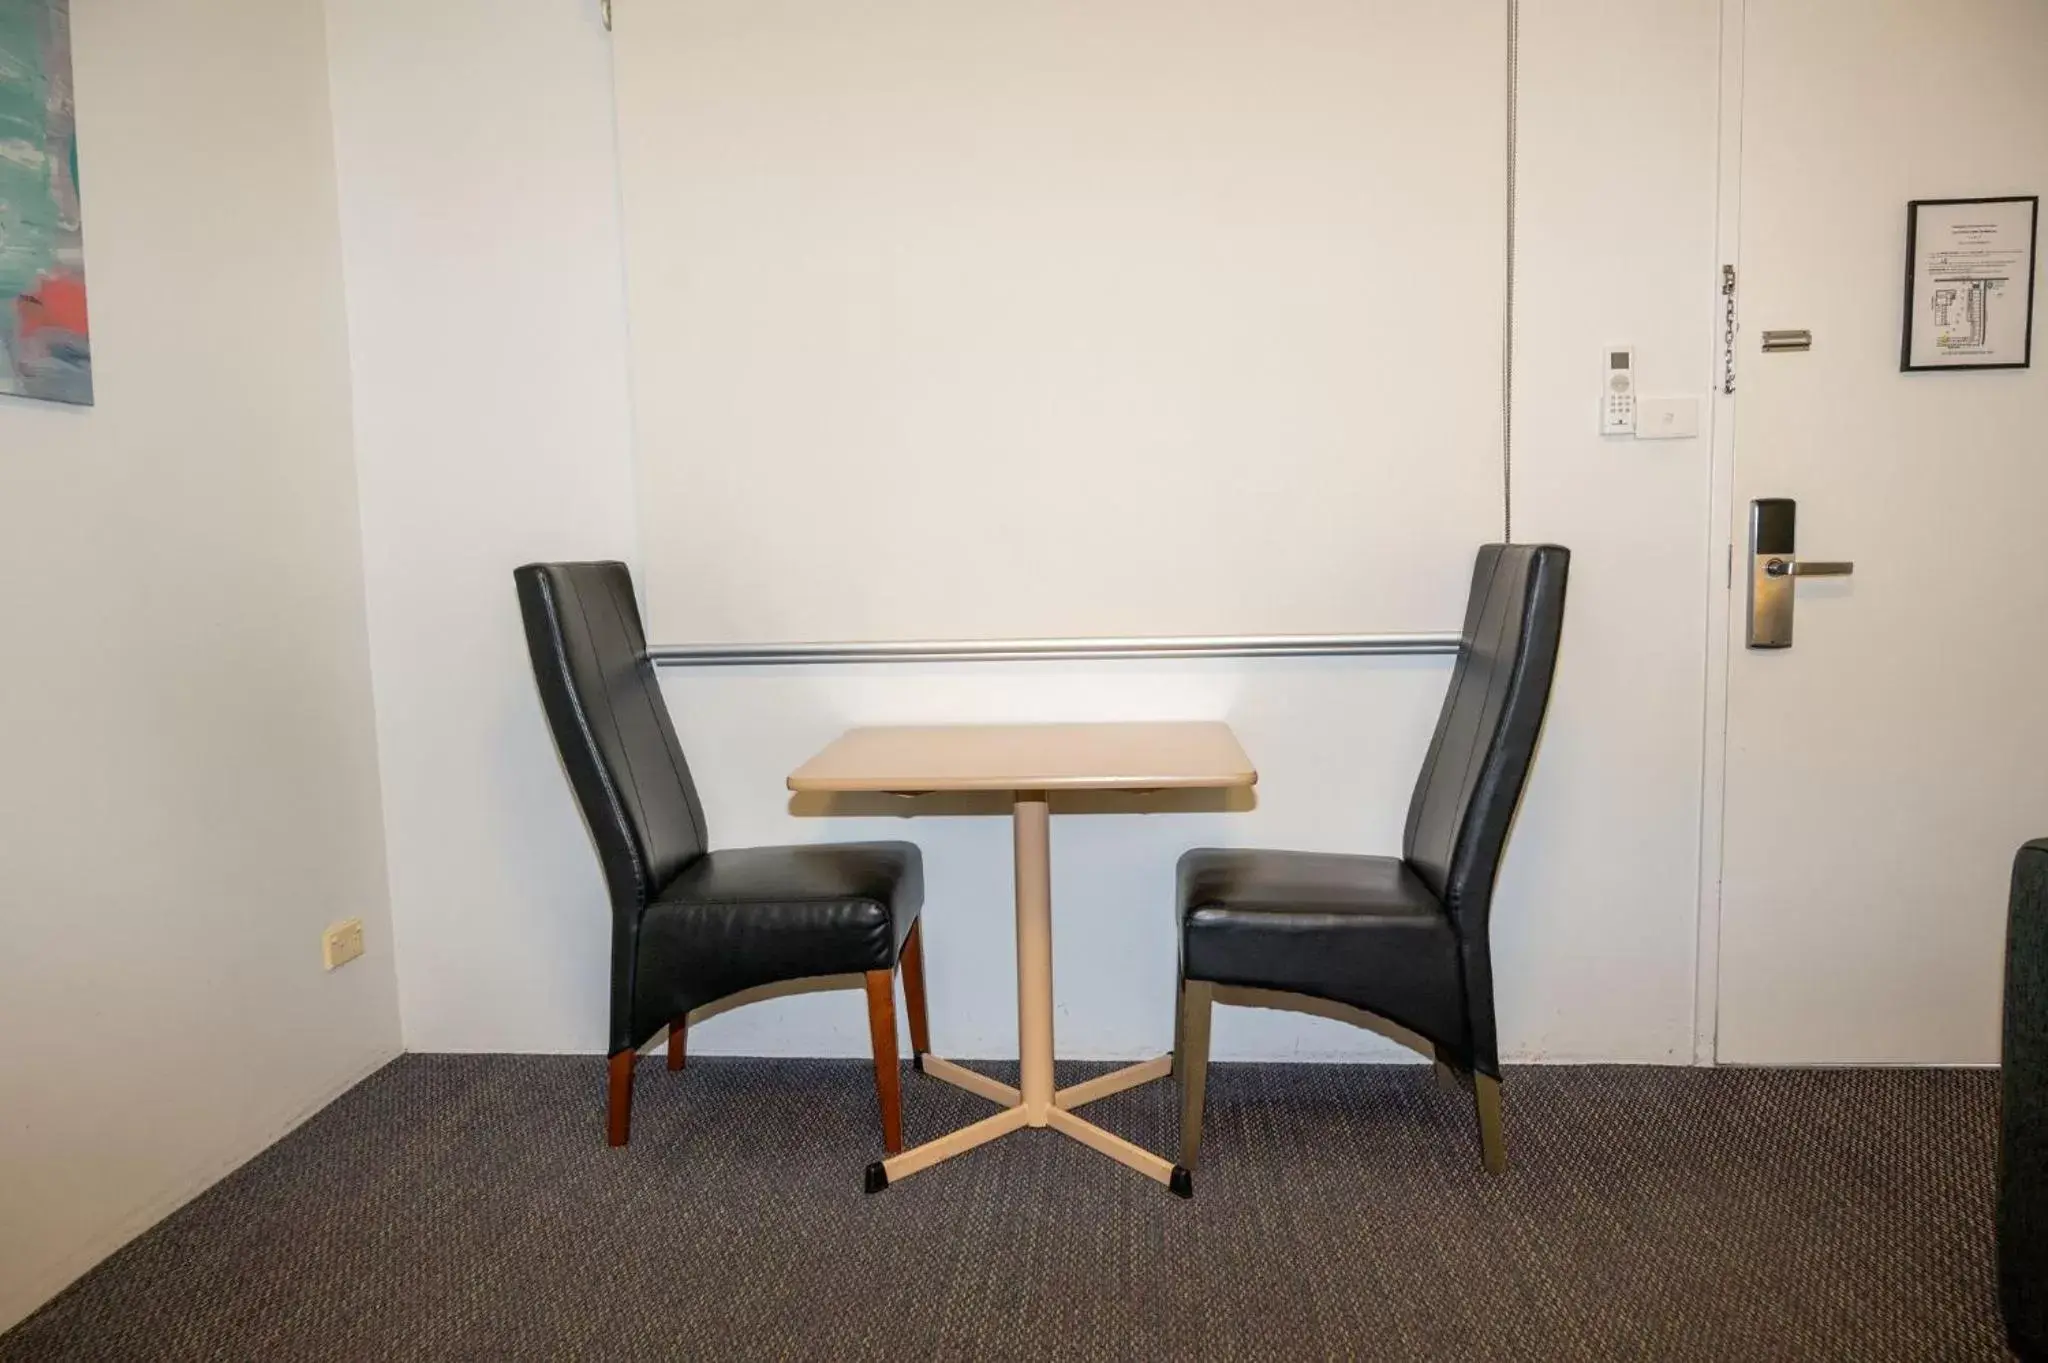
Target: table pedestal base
1034,1102
1058,1116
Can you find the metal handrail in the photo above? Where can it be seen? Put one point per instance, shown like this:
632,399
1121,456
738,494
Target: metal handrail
1051,650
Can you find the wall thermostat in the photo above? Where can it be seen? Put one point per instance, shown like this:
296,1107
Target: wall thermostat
1618,395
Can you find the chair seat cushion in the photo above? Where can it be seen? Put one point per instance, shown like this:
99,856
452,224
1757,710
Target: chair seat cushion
1359,930
746,916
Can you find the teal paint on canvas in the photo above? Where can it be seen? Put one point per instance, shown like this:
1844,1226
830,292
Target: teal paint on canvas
45,345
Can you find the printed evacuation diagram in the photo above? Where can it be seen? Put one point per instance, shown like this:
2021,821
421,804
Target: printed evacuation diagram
1960,308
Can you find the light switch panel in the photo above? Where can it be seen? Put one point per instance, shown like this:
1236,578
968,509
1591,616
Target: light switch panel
1667,418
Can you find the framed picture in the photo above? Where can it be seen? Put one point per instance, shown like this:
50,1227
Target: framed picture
1970,283
45,345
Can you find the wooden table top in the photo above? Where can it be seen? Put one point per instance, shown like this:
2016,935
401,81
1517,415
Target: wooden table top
918,758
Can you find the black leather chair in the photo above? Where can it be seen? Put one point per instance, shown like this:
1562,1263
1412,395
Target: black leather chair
691,926
2023,1114
1404,939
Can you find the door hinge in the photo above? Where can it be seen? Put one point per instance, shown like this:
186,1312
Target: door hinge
604,7
1731,566
1728,329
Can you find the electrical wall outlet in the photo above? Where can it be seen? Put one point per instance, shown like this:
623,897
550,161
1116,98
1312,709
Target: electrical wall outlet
342,942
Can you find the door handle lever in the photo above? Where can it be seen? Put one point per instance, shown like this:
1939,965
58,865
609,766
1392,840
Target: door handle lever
1792,567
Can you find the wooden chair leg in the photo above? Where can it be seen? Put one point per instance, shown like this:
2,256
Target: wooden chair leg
678,1040
619,1104
913,994
1493,1150
888,1079
1196,997
1180,1024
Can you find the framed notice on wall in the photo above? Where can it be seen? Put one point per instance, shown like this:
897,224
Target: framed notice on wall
1970,283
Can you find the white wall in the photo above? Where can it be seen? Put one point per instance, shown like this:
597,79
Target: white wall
480,229
1060,283
478,193
189,789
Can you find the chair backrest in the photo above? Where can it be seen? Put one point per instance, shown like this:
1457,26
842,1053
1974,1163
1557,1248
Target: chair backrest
1479,759
2023,1112
611,726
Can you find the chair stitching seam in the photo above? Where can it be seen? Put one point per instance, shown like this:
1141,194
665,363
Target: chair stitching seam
547,597
1458,808
640,881
703,835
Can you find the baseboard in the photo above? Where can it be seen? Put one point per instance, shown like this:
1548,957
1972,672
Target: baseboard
24,1300
1390,1056
1992,1065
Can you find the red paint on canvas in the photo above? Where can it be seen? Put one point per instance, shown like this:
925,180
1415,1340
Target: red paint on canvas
56,303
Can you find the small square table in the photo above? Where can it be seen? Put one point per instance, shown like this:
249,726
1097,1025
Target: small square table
1029,761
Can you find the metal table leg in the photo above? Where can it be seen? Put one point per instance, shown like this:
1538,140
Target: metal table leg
1034,1102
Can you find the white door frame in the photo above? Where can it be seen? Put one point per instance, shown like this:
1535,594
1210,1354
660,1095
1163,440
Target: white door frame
1721,550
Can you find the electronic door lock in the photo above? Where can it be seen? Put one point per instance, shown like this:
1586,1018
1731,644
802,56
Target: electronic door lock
1774,563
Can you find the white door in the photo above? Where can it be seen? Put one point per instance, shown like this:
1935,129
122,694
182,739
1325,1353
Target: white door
1882,770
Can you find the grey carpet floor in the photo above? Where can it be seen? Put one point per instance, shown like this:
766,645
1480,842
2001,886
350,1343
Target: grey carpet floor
467,1208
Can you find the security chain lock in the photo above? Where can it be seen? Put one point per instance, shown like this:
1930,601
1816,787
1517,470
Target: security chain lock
1728,330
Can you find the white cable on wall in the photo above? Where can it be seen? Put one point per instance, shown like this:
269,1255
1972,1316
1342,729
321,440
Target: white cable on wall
1507,328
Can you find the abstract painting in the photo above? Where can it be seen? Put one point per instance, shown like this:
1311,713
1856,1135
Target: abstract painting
45,351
